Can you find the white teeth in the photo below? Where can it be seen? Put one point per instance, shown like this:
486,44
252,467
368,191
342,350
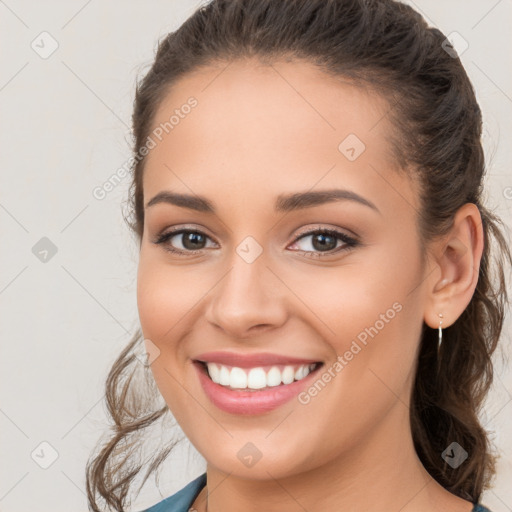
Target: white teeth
273,377
256,378
224,377
288,375
238,378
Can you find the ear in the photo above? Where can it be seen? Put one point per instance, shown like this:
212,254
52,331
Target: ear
457,262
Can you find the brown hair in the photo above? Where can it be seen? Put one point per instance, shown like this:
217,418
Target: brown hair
387,46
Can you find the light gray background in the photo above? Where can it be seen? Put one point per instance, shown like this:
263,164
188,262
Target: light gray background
65,130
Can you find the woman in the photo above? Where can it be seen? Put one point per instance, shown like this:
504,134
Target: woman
314,282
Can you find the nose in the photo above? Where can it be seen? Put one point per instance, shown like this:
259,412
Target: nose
249,299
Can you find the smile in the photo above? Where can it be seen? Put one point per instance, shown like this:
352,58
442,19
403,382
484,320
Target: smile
255,390
257,378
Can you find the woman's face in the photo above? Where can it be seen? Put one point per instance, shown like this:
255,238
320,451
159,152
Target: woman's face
251,280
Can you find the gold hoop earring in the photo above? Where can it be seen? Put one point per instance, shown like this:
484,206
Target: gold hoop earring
440,331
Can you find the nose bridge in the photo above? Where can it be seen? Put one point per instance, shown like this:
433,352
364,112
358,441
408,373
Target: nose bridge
247,295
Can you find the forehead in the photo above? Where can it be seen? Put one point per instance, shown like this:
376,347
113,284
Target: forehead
258,127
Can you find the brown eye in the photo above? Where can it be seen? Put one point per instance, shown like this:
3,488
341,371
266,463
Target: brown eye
325,241
192,240
322,241
183,241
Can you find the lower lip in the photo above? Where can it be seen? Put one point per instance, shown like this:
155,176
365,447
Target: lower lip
251,402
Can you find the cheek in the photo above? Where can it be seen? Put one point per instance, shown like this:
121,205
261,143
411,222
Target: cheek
164,296
370,308
165,301
342,302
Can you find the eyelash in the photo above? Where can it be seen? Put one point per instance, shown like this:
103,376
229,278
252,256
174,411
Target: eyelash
350,243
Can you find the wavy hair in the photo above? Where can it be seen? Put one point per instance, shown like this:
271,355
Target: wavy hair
386,46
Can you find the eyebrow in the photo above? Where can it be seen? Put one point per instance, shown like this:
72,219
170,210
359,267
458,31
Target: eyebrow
284,202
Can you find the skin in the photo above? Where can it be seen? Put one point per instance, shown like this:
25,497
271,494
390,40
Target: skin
259,131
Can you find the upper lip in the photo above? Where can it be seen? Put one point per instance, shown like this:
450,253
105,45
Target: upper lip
251,360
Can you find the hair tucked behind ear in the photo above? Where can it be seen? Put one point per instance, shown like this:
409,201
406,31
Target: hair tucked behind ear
387,46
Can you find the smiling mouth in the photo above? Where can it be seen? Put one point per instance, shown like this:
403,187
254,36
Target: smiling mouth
260,378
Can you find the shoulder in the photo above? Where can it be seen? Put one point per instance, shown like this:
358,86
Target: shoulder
480,508
183,499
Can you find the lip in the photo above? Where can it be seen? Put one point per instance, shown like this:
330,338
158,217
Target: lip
251,360
251,402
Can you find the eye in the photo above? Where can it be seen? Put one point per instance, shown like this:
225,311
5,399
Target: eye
324,242
191,241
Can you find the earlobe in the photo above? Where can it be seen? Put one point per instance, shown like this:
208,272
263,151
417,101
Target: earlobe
457,257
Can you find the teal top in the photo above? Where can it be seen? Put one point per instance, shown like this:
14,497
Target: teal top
183,499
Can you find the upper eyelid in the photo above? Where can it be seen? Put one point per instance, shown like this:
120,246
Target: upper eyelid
186,229
323,227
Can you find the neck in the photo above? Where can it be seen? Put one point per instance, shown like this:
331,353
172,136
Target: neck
381,471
